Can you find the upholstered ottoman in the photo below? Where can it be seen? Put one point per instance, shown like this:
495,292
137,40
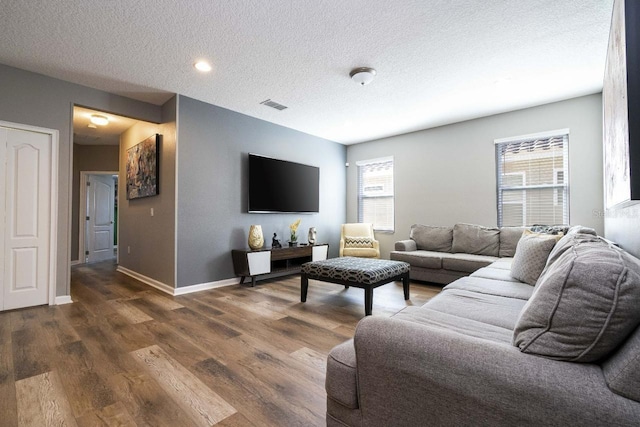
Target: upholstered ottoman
363,273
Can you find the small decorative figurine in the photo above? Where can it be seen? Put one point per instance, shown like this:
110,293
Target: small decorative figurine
312,236
275,243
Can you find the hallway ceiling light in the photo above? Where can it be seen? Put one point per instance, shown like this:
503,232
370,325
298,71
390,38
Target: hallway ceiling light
202,66
99,120
363,75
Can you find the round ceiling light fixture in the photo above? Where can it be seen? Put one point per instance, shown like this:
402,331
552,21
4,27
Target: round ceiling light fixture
99,120
203,66
363,75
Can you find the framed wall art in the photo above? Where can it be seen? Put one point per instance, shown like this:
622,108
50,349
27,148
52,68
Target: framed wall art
142,168
621,107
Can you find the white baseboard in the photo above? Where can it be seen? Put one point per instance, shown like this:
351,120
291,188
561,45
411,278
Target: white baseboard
204,286
76,262
177,291
63,299
146,280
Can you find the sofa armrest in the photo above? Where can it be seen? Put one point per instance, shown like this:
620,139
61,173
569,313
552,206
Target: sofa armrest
341,250
406,245
408,373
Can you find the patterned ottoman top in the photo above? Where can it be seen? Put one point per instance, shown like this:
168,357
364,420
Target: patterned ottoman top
358,270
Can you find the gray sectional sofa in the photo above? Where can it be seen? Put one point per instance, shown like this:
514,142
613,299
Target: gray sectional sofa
444,254
492,350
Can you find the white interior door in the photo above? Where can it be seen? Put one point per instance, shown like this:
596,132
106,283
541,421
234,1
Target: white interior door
26,222
100,210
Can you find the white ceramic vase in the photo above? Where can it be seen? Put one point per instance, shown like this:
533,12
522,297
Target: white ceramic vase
256,239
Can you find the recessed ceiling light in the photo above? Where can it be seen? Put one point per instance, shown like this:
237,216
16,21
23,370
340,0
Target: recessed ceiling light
99,120
202,66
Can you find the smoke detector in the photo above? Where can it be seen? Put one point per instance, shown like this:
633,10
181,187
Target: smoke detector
363,75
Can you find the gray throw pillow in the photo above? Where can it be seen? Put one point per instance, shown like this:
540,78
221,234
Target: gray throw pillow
431,238
531,256
475,239
584,306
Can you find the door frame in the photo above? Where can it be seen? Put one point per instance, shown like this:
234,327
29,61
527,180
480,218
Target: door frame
53,214
82,212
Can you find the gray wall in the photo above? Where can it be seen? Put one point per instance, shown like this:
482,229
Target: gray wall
146,244
622,225
212,187
37,100
447,174
87,158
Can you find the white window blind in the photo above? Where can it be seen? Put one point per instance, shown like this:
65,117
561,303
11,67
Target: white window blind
532,177
375,193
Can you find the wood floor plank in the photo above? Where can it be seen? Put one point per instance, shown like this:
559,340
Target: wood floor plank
43,402
8,403
29,347
311,358
146,402
256,308
261,403
203,405
86,389
112,415
164,301
130,312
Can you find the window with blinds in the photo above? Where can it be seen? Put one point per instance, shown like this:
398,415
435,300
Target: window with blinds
375,193
532,176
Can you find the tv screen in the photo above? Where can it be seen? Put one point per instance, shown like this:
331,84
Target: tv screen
282,186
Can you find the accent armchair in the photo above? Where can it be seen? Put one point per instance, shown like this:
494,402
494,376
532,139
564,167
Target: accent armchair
358,240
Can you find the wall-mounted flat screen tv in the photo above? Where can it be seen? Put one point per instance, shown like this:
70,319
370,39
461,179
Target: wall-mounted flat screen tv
282,186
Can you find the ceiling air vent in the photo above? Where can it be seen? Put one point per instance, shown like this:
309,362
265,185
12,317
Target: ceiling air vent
272,104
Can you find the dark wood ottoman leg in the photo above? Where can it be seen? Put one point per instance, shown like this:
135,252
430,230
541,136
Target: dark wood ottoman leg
368,300
304,286
405,285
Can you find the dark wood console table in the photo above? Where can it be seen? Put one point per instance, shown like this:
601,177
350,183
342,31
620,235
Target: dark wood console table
269,262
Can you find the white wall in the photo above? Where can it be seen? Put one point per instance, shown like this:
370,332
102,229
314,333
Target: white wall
447,174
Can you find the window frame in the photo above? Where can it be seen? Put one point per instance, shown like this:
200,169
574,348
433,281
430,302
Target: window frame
360,196
565,186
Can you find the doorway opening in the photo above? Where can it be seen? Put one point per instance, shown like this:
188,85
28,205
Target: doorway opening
96,160
99,235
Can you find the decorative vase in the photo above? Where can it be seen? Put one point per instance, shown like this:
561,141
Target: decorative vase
256,240
312,236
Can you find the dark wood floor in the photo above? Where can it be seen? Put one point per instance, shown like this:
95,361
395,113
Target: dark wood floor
125,354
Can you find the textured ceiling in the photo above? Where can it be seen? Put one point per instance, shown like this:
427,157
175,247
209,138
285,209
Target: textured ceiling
438,62
99,135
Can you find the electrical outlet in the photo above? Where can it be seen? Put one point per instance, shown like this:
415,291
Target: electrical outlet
128,249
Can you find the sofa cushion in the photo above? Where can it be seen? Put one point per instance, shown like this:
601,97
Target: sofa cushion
493,273
622,369
584,306
531,256
509,238
475,239
341,375
503,263
358,242
467,263
451,322
491,309
360,252
430,238
424,259
500,288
